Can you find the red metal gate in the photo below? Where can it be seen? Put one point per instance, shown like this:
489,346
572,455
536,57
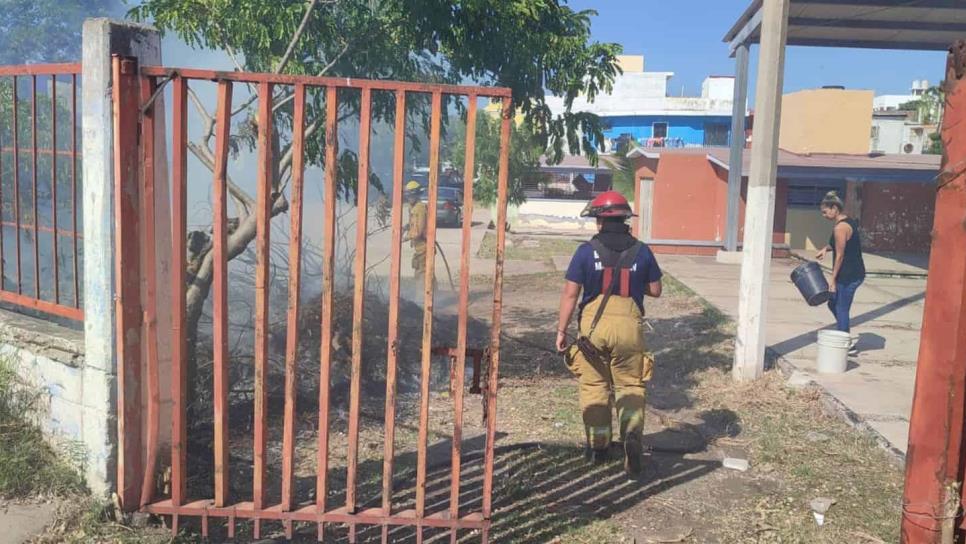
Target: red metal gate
135,90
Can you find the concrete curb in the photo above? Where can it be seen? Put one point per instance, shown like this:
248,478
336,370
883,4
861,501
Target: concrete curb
834,407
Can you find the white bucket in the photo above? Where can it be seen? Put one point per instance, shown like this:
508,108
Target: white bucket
833,351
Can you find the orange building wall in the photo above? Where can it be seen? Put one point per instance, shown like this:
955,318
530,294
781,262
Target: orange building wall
690,200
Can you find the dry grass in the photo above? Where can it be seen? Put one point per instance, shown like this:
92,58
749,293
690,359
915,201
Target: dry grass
528,248
546,492
28,465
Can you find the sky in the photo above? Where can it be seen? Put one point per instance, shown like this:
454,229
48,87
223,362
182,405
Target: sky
685,37
689,43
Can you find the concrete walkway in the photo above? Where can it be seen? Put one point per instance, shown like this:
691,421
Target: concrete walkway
887,316
22,522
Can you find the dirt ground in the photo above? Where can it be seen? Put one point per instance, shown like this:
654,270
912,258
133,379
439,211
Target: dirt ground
544,489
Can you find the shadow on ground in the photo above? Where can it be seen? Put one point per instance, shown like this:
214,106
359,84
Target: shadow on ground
541,491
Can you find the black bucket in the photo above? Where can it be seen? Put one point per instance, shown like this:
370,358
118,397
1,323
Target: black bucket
811,283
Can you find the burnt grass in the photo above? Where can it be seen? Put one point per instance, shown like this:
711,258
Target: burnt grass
544,490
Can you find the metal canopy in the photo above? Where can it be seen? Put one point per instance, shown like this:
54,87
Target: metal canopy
928,25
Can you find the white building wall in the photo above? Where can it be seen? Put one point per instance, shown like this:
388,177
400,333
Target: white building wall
718,88
646,93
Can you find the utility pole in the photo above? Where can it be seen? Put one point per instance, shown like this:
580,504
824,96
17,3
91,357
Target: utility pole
760,210
931,501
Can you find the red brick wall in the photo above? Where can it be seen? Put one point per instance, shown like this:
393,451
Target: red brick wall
897,216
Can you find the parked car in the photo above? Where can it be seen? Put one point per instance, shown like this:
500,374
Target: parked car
449,206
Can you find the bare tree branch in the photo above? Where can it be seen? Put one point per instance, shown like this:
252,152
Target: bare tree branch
243,200
203,112
298,36
291,96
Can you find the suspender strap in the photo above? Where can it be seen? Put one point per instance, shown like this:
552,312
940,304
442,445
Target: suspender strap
624,262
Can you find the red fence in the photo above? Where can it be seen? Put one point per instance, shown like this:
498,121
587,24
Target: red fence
39,233
134,93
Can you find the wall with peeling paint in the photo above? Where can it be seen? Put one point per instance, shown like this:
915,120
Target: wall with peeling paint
897,216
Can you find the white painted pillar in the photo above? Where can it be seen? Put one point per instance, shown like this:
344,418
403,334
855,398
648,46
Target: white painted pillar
103,38
760,209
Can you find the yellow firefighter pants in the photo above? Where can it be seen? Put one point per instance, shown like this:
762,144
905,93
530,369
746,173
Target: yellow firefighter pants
419,259
626,366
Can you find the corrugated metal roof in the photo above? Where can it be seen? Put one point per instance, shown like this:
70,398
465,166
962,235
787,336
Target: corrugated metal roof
918,164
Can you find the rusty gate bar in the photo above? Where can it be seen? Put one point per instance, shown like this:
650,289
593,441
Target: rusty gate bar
64,68
128,280
149,325
73,185
33,175
53,183
469,174
428,289
3,276
179,234
328,282
14,223
262,217
358,302
220,295
494,366
294,286
290,511
16,181
392,339
327,82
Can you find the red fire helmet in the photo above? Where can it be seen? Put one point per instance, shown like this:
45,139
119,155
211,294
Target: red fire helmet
608,204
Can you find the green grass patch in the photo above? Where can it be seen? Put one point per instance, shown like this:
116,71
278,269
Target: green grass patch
28,465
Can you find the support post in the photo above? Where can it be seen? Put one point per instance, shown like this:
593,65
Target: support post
103,38
760,210
738,110
935,458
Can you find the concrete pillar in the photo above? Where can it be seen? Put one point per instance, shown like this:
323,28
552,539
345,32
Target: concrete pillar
103,38
760,209
738,110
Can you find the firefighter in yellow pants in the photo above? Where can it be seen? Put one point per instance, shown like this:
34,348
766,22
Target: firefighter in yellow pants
416,233
610,275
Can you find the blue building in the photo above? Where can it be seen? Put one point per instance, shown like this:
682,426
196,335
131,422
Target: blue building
642,107
670,130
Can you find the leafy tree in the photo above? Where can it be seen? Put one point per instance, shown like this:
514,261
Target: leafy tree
525,153
530,46
625,175
928,107
34,31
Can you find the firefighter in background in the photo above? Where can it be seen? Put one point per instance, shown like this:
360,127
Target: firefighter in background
610,275
416,233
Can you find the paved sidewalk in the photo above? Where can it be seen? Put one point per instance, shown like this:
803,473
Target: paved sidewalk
887,316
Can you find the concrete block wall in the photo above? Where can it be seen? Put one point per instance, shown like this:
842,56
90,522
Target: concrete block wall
75,416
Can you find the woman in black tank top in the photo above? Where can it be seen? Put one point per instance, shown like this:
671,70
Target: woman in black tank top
848,270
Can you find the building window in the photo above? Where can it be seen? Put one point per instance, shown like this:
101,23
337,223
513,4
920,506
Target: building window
807,194
875,132
715,134
660,130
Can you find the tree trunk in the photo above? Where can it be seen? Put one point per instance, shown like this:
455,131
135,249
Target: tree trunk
201,274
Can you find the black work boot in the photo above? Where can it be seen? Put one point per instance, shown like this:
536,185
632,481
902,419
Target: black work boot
633,454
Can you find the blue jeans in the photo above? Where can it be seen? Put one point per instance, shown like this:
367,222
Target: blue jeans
840,303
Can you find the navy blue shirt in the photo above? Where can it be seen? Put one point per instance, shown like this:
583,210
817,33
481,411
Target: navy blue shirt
587,270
